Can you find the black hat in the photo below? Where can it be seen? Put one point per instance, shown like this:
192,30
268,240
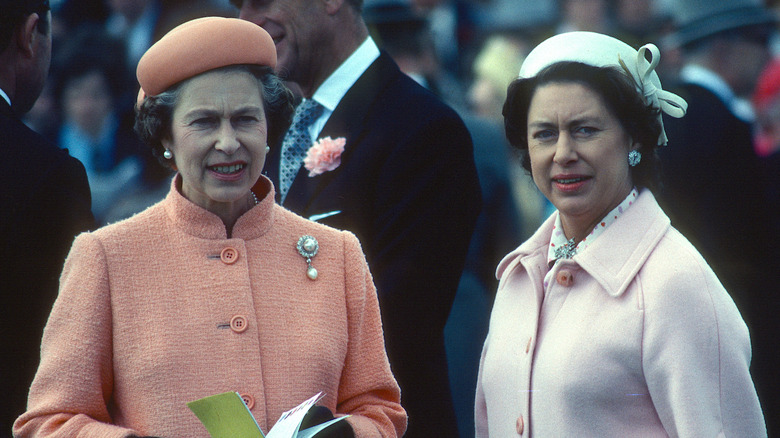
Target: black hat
378,12
697,19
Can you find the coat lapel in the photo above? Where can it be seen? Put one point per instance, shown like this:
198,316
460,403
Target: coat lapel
616,256
346,121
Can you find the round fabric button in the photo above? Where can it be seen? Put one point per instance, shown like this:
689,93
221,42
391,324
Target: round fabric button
228,255
520,425
238,324
564,278
249,401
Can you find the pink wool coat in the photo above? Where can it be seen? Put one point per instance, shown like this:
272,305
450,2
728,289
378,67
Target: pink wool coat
633,337
163,308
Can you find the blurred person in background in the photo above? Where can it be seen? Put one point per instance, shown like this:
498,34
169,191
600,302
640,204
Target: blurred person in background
44,202
714,189
405,34
766,135
584,15
495,66
91,91
639,21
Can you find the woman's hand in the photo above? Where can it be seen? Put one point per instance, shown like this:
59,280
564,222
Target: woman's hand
320,414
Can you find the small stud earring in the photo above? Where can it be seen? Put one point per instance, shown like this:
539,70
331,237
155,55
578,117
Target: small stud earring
168,154
267,149
634,157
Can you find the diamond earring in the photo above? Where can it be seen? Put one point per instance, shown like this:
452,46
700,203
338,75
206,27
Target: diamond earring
634,157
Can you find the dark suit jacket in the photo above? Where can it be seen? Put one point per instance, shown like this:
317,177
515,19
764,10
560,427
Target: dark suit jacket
714,194
408,188
44,202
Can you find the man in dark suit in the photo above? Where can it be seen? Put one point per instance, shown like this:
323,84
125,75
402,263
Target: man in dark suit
406,184
713,188
44,203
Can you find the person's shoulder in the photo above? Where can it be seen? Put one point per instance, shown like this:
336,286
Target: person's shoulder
675,271
31,162
141,226
403,90
21,144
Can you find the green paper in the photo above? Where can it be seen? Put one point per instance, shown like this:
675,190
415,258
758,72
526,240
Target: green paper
226,416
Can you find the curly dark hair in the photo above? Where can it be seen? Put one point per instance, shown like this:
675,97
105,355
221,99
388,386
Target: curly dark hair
619,93
153,117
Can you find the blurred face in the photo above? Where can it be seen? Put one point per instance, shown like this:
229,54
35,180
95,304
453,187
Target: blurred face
86,101
294,27
579,154
131,9
218,139
747,60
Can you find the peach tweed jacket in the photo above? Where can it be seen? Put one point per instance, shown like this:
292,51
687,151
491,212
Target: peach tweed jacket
632,337
151,316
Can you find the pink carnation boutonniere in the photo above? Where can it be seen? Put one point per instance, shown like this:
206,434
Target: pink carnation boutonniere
324,155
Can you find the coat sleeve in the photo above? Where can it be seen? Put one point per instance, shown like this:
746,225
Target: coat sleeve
367,389
73,386
696,353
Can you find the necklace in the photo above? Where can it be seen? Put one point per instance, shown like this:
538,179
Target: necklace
254,198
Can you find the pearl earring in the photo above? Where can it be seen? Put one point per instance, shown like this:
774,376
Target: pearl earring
267,149
634,157
168,154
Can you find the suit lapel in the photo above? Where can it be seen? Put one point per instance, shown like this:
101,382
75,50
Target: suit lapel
346,121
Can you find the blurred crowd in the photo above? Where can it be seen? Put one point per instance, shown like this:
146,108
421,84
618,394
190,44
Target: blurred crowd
465,51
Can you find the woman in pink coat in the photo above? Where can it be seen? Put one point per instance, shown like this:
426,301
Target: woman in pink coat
215,288
607,321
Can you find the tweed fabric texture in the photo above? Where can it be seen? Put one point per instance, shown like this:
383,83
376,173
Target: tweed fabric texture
142,326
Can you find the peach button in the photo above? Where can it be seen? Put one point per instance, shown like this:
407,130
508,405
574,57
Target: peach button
238,323
520,425
564,278
228,255
249,401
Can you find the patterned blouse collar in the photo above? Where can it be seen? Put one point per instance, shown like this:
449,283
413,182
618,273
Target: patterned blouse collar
560,247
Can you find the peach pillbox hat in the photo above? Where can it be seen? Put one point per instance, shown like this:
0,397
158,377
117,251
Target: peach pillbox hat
200,45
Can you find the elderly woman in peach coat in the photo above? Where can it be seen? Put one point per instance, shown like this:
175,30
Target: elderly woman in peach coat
215,288
607,321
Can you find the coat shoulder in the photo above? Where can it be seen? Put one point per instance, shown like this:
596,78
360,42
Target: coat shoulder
676,275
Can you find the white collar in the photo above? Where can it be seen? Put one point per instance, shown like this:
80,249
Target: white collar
706,78
558,239
5,96
330,93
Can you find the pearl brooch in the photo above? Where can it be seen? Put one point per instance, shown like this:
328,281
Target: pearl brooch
308,247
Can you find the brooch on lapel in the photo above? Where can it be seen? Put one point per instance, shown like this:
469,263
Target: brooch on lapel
308,248
324,155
